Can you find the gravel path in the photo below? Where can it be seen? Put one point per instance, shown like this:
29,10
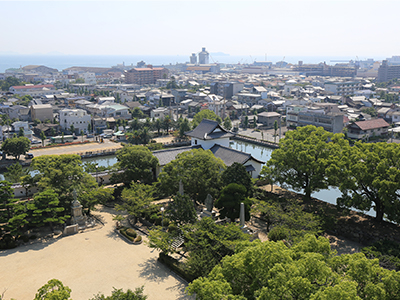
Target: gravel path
88,262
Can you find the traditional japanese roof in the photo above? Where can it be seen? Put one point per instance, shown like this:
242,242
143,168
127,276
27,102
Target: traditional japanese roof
208,130
167,155
230,156
371,124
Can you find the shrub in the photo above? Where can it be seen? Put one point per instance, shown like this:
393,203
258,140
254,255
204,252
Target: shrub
138,239
176,266
132,233
278,233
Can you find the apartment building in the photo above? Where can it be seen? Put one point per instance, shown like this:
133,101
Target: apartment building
41,112
330,120
343,88
388,72
147,75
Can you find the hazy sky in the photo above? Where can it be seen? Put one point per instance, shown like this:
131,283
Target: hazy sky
363,28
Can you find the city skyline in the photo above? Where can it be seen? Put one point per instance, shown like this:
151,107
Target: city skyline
259,29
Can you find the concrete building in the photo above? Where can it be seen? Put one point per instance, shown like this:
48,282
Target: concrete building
193,59
76,117
203,56
343,88
41,112
147,75
388,72
268,118
320,116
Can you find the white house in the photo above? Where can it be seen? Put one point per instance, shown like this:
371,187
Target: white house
75,117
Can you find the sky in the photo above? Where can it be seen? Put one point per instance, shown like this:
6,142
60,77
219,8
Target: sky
359,28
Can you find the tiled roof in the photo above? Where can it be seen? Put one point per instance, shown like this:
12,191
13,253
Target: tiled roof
205,131
167,155
229,155
372,124
21,87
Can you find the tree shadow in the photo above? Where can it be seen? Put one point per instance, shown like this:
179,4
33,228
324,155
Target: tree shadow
155,271
181,288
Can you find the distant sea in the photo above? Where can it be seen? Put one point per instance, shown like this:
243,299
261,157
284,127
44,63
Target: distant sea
61,62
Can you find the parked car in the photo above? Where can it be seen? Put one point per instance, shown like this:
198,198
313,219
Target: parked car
29,156
36,142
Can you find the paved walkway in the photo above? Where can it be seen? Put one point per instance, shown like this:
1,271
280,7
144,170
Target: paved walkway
89,262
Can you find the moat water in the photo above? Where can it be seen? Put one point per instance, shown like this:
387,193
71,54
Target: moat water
259,152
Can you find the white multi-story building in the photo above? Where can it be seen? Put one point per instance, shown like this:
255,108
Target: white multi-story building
343,88
34,90
76,117
90,78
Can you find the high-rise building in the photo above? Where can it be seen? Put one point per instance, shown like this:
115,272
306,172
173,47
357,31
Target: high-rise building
388,72
193,59
203,56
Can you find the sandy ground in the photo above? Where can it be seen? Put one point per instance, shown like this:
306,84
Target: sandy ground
89,262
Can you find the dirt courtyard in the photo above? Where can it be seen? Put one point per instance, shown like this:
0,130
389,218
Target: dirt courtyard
89,262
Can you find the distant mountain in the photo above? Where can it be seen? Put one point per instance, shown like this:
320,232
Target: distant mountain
9,53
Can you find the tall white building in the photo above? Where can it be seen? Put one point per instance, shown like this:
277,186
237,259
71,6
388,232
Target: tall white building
76,117
203,56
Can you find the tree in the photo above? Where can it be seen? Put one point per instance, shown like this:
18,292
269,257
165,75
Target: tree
158,125
138,163
167,123
207,243
199,171
184,126
62,173
21,132
119,294
46,209
16,146
227,123
308,270
368,175
15,172
72,129
42,137
136,199
182,210
204,114
275,129
229,202
145,135
12,212
236,173
53,290
82,134
301,160
95,196
246,122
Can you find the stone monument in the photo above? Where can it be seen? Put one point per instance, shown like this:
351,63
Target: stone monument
208,212
77,216
180,191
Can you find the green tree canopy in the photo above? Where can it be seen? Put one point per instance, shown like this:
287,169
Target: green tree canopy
119,294
136,199
138,163
63,173
301,160
46,209
368,175
236,173
199,171
53,290
309,270
16,146
229,202
182,210
15,172
227,123
205,114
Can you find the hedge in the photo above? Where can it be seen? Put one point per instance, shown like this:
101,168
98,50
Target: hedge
176,266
